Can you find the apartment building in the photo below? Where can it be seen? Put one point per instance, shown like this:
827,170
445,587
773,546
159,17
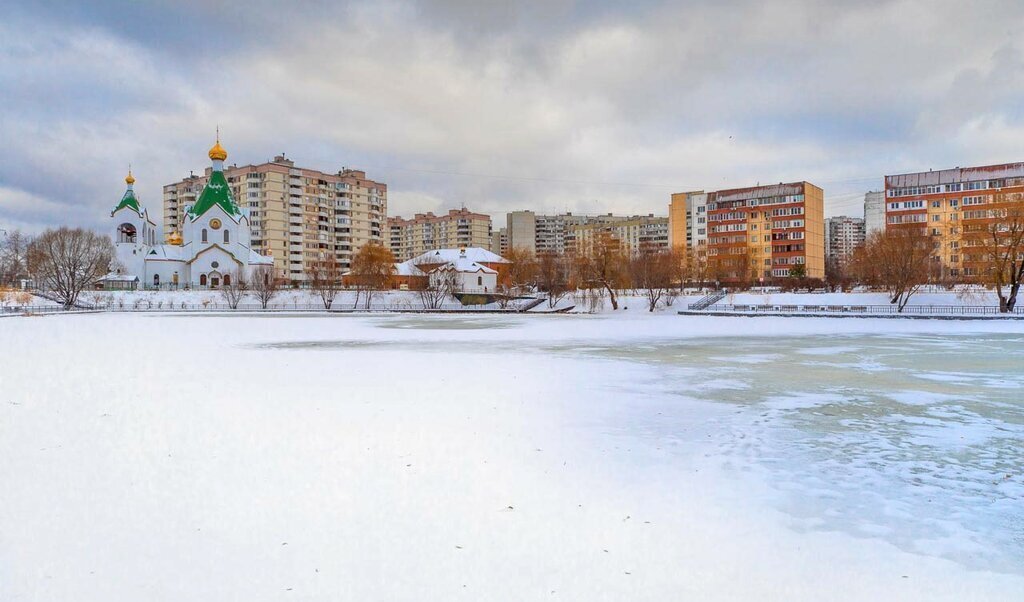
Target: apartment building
499,241
550,233
843,235
426,232
761,233
688,220
955,207
298,216
635,234
874,212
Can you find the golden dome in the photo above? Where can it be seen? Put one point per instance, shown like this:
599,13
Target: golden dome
217,152
174,238
130,179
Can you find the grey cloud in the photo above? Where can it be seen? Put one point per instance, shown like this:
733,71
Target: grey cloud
553,105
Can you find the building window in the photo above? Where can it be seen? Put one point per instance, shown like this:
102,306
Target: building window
227,238
126,233
202,278
479,280
227,279
156,279
204,234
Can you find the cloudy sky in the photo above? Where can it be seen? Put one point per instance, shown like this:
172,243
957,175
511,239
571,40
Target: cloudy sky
549,105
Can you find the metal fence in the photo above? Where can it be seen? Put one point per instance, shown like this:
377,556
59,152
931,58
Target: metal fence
254,308
909,310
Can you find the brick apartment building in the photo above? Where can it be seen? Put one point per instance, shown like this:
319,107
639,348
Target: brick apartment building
761,233
955,207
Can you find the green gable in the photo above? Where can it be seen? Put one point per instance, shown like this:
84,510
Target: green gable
218,193
129,201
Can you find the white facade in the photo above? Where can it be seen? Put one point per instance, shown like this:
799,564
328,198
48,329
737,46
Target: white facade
874,212
697,220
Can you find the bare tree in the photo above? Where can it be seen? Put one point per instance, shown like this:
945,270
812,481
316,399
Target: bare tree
731,264
697,266
651,272
67,261
603,264
994,247
837,274
521,272
896,259
233,288
554,276
324,277
372,269
13,257
265,284
439,285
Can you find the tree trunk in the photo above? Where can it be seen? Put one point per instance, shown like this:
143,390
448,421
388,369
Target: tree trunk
1011,301
611,296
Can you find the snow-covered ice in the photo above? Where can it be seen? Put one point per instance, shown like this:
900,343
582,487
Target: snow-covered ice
410,457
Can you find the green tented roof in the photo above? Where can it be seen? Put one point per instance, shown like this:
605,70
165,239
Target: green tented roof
218,193
129,201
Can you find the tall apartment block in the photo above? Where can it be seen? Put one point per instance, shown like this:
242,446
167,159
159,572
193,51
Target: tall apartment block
874,212
955,207
298,216
635,234
550,233
843,235
426,232
688,220
761,233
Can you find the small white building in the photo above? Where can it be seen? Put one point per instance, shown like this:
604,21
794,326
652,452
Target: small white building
469,269
212,248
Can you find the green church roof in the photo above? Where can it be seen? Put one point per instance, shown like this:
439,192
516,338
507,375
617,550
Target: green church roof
129,201
216,192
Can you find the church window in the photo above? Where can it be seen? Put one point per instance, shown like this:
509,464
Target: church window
204,234
227,238
156,279
227,279
202,280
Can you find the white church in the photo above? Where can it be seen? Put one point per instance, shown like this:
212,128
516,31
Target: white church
212,248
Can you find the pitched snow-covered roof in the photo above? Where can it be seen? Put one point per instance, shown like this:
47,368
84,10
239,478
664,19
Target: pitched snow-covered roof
257,259
478,254
407,268
113,277
466,265
167,253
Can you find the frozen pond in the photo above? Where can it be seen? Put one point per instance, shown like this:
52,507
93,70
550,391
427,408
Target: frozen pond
915,439
510,457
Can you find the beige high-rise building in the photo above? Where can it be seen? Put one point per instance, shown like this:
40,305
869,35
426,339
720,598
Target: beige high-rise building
298,216
635,234
550,233
426,232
